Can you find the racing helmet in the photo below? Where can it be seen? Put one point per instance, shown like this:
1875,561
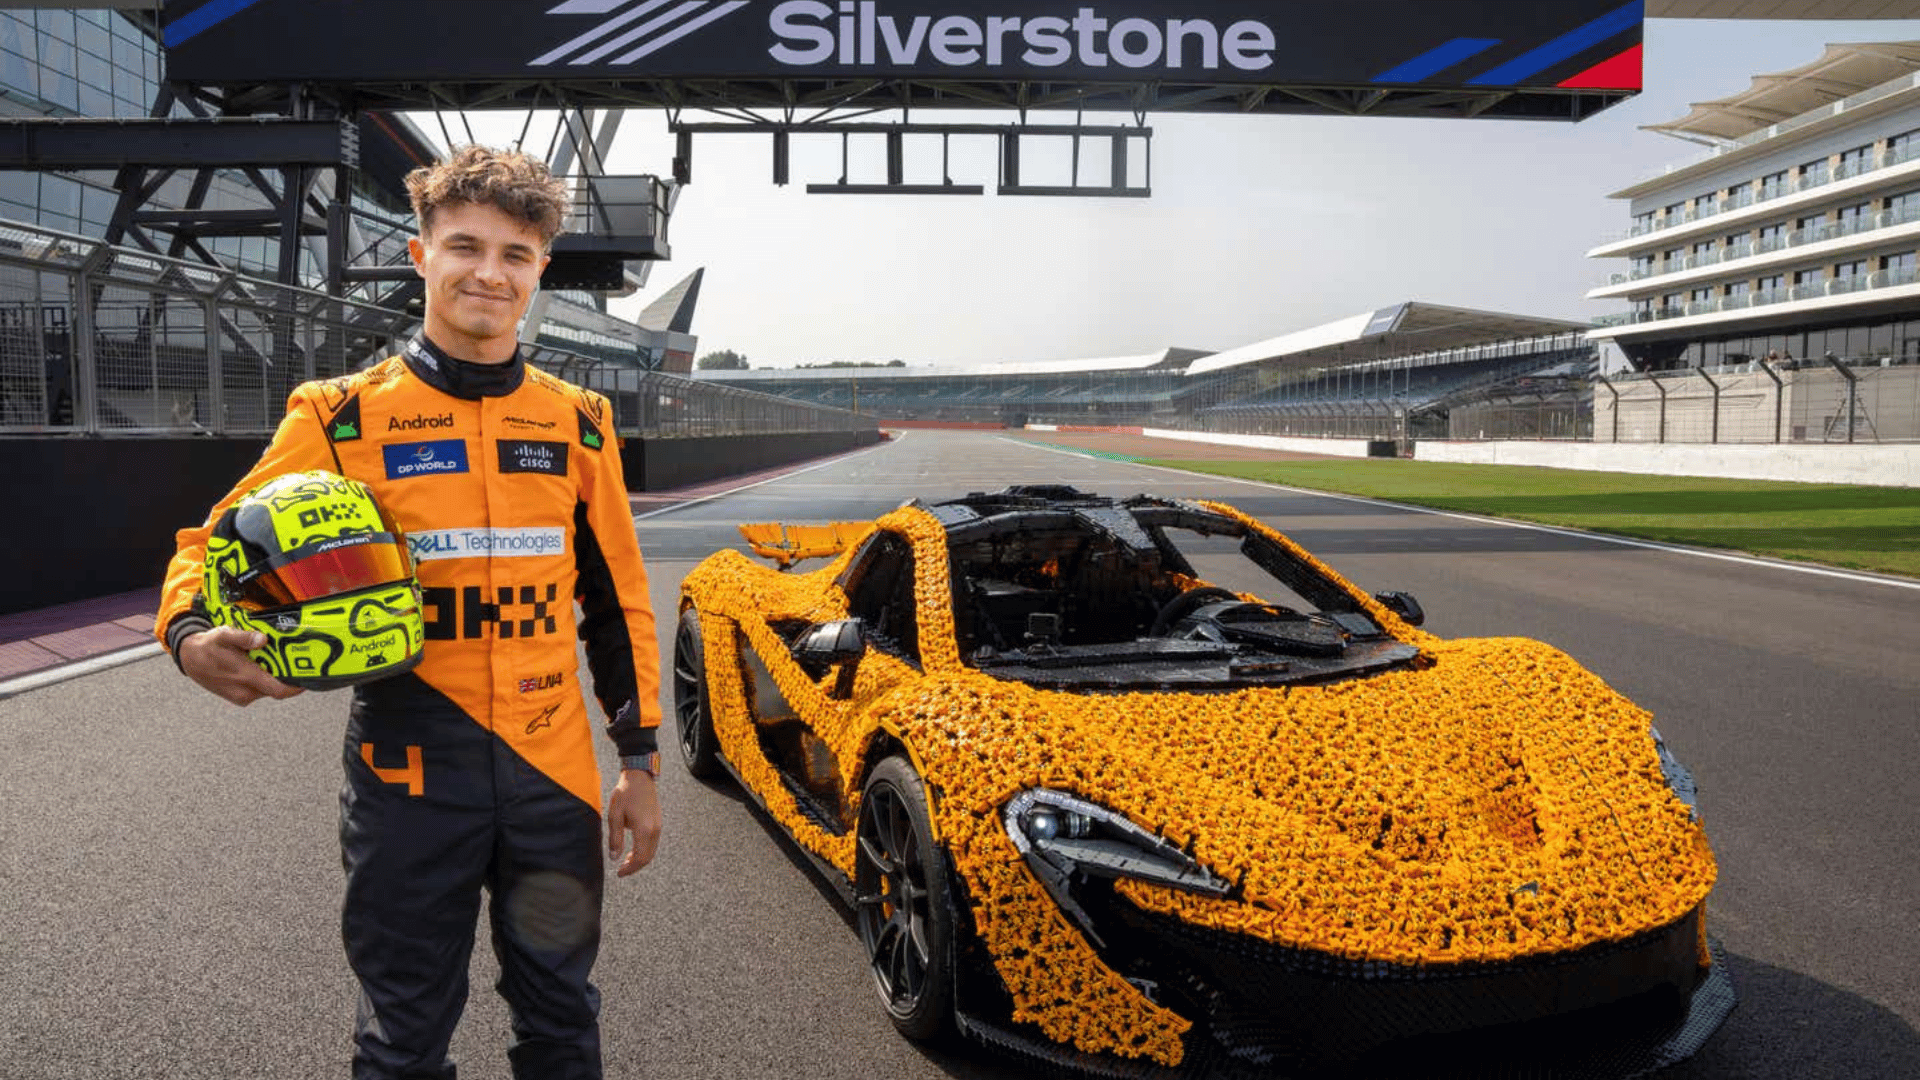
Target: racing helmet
312,561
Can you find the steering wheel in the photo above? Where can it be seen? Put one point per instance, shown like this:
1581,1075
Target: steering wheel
1186,604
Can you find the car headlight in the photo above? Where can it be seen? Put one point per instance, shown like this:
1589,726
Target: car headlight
1065,838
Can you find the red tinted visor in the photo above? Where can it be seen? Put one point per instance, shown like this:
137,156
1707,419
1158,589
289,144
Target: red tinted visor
328,569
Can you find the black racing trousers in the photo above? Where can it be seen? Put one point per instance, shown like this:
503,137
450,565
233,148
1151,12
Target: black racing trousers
434,811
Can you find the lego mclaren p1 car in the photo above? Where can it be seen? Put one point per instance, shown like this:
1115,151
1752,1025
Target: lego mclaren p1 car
1139,785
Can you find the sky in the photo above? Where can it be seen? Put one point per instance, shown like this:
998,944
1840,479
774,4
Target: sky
1258,225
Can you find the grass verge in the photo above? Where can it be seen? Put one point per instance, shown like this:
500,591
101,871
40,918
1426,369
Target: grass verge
1863,528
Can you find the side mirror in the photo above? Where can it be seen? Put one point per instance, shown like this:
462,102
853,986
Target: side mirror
1403,605
833,642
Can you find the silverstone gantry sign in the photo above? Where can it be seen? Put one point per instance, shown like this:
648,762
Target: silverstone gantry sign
1389,44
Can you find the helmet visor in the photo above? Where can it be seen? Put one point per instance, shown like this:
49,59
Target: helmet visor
318,571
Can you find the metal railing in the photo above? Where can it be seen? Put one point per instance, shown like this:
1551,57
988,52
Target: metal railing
620,206
103,341
1833,230
656,405
1845,400
1891,278
1884,159
98,340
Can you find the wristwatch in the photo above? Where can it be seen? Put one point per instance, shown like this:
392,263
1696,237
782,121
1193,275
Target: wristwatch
646,763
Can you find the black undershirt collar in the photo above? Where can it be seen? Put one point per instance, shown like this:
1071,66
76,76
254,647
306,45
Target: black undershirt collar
466,379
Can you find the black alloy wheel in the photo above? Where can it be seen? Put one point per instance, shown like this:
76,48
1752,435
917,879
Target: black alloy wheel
692,708
903,907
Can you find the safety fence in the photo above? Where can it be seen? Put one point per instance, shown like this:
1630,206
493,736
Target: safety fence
1512,413
656,405
99,340
1834,400
1843,400
1521,415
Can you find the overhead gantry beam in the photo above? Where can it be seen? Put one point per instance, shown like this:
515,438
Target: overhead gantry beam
72,143
1280,98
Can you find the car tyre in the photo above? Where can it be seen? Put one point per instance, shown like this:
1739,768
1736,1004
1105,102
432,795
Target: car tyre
903,903
692,707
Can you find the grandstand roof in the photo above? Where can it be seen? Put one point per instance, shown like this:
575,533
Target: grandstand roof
1842,71
1170,359
1402,330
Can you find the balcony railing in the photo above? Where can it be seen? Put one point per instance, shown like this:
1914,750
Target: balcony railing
1832,230
1892,277
1767,192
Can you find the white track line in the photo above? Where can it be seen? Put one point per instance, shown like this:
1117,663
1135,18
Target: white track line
1652,545
49,676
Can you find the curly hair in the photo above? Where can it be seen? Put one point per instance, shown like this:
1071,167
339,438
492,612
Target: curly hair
513,182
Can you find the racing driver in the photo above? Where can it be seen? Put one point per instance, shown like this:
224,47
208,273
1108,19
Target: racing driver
475,770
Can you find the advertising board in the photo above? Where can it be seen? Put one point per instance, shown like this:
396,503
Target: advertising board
1392,44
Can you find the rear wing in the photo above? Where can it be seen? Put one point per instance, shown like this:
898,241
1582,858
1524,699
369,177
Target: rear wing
787,544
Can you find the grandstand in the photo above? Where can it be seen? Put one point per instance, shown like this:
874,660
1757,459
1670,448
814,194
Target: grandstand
1414,370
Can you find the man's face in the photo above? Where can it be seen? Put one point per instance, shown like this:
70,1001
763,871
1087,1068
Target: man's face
481,267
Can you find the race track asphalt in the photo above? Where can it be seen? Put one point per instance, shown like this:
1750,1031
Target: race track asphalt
169,874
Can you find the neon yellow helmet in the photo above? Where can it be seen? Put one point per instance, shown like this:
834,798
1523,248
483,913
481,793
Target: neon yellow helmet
312,561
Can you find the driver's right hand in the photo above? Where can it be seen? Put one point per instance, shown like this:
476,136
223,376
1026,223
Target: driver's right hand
217,659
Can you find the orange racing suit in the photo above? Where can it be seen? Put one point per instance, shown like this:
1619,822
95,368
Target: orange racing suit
477,767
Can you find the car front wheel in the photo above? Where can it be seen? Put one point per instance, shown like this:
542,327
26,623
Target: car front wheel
692,708
904,914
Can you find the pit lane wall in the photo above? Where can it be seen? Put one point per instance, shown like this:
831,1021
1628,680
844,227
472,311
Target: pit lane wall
1875,464
95,517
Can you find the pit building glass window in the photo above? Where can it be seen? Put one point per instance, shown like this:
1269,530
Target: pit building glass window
1851,219
1903,147
1900,269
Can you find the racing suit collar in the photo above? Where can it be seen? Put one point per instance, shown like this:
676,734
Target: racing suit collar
463,378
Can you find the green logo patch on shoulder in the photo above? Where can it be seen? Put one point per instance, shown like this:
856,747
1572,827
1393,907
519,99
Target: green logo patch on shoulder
345,425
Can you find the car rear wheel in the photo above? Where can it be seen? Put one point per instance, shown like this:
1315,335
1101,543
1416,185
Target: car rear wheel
692,709
903,910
